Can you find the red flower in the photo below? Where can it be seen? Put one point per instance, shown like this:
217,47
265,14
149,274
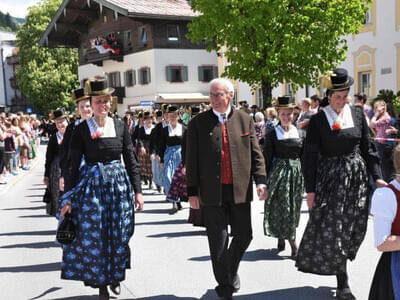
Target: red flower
336,126
96,134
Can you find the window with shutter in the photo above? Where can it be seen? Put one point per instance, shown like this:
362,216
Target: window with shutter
177,73
207,73
143,35
173,33
144,75
130,79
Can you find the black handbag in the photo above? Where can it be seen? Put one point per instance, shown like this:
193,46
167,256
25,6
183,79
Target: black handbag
47,196
66,230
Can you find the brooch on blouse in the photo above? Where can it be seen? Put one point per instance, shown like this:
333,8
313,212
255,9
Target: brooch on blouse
97,134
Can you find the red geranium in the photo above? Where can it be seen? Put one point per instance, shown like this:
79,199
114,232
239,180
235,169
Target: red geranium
336,126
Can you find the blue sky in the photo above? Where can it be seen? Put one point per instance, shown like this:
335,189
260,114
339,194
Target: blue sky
16,8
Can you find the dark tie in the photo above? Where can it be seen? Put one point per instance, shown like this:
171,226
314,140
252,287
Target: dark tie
223,116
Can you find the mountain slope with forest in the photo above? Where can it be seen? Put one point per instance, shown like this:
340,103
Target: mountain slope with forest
9,23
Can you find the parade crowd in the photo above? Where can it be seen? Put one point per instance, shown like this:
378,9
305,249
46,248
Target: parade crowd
338,153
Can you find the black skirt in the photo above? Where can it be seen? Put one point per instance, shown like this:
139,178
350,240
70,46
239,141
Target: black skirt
381,287
338,219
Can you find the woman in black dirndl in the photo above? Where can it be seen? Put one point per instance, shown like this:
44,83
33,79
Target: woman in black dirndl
102,198
282,151
385,207
338,157
144,148
52,171
85,112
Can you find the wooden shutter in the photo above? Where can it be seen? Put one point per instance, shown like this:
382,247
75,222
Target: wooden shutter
133,77
169,73
185,75
215,72
201,73
148,75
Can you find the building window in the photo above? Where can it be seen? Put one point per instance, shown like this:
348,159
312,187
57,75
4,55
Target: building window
364,83
289,89
130,78
177,73
114,79
127,39
173,33
144,75
143,35
368,17
207,73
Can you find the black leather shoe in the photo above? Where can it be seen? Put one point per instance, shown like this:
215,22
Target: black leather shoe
115,288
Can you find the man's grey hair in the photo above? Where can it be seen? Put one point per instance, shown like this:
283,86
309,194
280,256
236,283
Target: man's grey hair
225,82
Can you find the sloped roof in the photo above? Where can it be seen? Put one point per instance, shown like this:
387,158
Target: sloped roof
177,8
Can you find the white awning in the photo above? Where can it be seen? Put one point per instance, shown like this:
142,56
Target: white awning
182,98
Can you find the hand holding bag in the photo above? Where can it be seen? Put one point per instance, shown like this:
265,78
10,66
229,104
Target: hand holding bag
66,231
47,196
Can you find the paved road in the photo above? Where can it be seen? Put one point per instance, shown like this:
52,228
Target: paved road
170,257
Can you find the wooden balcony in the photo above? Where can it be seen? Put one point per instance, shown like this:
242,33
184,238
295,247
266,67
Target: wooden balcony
93,56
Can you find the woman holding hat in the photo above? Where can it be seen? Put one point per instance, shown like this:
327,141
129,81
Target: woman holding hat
170,149
102,199
143,147
338,157
85,112
282,150
52,171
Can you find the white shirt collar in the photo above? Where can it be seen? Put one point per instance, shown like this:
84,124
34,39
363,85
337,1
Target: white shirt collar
218,114
177,131
148,130
345,119
282,134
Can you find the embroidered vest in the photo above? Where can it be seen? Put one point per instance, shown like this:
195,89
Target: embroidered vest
226,167
396,222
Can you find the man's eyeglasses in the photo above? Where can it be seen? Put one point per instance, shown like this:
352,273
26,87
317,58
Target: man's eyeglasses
216,95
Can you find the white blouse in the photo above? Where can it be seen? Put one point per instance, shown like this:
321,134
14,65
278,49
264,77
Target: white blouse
177,131
345,119
107,131
384,209
282,134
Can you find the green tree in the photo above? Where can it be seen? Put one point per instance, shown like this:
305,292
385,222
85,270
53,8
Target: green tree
274,41
46,75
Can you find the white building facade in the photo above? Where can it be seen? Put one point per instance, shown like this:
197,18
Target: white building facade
145,76
7,44
373,56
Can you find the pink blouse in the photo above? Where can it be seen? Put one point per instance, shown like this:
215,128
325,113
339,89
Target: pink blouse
381,125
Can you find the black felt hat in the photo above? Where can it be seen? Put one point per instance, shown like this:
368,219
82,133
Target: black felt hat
164,107
78,95
337,80
146,115
194,110
97,87
158,113
59,114
172,109
284,102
